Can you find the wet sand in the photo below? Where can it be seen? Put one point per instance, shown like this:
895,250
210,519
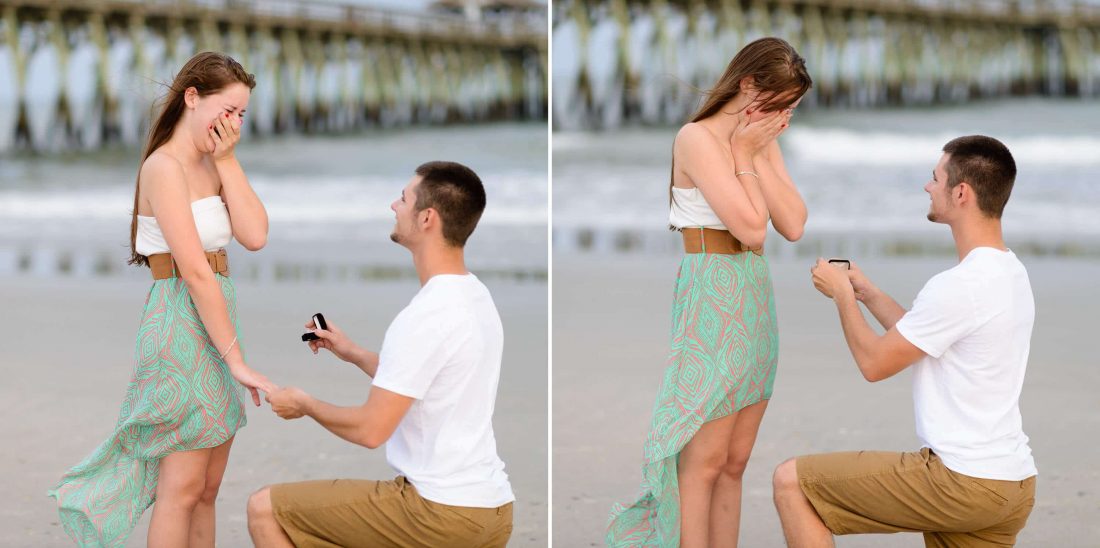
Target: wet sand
610,331
69,355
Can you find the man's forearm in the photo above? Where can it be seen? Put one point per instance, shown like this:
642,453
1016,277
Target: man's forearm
346,422
857,333
884,308
366,360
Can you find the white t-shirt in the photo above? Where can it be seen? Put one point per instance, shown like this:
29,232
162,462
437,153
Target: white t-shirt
444,350
974,321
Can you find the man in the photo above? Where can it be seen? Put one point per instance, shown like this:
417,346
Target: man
431,403
967,338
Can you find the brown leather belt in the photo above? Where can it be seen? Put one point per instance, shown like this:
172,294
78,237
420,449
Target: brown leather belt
710,240
163,266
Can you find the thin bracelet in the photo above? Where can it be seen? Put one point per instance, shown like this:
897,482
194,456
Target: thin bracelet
753,173
229,349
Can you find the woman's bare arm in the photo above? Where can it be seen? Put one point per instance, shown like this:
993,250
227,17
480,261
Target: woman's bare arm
168,194
737,200
245,208
788,211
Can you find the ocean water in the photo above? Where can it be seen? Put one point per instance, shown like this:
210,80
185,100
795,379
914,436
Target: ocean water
327,198
861,173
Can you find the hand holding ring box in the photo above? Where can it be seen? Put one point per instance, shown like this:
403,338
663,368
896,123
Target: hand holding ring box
319,322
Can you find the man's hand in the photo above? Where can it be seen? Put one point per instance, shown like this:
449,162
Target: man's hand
288,403
334,340
831,280
860,283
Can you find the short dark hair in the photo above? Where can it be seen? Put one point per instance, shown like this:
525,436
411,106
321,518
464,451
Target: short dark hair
454,191
987,166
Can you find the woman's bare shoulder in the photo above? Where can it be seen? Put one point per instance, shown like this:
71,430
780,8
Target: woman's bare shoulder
160,166
691,131
695,134
695,140
160,172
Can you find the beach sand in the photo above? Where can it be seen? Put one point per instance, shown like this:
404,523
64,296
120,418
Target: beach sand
69,354
610,330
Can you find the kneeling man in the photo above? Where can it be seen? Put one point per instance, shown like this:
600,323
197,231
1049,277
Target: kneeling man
431,403
967,338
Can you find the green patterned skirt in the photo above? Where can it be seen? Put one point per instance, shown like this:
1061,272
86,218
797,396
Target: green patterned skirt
180,397
725,345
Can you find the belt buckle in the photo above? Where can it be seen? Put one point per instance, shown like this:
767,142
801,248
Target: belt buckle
222,262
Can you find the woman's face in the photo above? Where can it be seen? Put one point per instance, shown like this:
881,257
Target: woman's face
757,107
230,103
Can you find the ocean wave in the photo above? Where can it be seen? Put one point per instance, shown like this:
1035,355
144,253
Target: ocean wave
514,199
890,148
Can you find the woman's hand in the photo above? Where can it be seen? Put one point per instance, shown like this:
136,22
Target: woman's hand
253,381
786,115
334,340
752,138
226,133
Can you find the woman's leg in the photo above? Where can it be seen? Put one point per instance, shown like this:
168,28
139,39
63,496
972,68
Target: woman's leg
699,465
725,505
179,488
202,519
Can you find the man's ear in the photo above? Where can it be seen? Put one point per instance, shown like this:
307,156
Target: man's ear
427,217
962,193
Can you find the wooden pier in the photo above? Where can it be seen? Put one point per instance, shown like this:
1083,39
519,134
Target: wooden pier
330,66
861,53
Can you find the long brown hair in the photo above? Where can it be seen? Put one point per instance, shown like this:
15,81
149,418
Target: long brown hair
776,70
208,72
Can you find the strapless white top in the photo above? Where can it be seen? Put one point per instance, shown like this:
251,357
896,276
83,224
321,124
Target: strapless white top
211,219
690,209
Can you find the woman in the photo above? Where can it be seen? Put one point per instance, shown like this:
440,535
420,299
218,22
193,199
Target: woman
728,180
183,404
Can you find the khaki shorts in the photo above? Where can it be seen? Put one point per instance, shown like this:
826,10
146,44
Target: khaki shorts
881,492
349,513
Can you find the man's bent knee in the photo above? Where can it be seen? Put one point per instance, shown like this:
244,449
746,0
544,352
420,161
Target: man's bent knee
259,505
785,478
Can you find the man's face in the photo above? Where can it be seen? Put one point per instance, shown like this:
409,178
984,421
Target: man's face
405,228
941,205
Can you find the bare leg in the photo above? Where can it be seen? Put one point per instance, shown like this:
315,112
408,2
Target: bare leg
802,527
262,526
202,519
725,503
699,466
181,483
